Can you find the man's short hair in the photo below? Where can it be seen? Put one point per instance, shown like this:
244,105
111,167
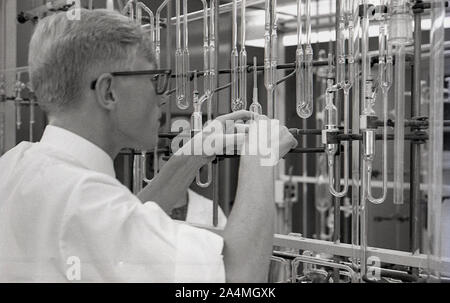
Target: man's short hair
66,55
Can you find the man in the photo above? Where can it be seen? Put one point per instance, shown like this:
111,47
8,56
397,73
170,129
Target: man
64,216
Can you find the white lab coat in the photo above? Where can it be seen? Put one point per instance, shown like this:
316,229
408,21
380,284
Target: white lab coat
200,211
64,217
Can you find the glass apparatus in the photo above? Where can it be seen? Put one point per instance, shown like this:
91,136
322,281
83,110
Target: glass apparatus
400,35
255,107
182,57
270,54
384,82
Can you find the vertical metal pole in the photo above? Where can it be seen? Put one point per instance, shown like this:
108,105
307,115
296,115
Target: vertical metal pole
215,170
415,146
168,61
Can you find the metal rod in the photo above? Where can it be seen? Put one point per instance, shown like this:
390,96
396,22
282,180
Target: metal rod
415,231
215,171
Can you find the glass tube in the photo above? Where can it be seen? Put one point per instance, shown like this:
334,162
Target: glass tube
355,144
385,81
322,200
206,81
235,101
186,57
179,68
436,137
197,126
255,107
158,33
243,60
212,57
340,45
139,7
270,54
299,65
367,107
399,129
308,77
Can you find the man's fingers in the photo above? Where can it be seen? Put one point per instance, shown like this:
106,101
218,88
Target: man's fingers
238,115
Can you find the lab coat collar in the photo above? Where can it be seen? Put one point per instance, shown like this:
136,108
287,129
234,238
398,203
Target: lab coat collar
87,153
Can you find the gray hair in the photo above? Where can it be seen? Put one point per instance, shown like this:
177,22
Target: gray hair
65,55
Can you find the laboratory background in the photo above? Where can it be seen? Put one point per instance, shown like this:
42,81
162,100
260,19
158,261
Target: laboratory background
364,85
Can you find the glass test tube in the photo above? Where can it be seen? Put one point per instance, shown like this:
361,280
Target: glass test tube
243,60
255,107
299,67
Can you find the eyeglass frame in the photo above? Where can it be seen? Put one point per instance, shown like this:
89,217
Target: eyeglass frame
164,72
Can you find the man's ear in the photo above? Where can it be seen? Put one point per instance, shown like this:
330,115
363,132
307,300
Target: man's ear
104,92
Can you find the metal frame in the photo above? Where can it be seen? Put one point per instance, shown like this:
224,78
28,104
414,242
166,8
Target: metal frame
345,250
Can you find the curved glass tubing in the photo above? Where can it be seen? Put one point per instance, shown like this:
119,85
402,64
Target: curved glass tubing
344,81
197,126
303,60
384,83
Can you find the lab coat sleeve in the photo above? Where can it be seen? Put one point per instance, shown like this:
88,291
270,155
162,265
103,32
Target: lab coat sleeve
116,238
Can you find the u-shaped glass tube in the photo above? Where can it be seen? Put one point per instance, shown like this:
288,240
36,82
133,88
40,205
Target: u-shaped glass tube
144,165
299,66
182,89
197,126
308,76
270,54
385,82
207,96
255,107
345,84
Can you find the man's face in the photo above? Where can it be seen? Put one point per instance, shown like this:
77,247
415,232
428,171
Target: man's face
139,108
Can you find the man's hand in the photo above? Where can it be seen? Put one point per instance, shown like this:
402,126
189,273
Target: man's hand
268,139
218,136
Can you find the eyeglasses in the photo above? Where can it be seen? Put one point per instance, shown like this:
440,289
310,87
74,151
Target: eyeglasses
160,78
